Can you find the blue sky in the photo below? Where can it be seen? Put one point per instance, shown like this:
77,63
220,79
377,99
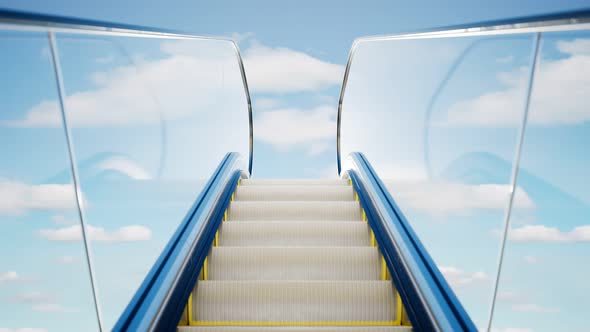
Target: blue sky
137,182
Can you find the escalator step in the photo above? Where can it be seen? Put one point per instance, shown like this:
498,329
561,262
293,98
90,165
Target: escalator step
290,182
337,263
294,234
302,302
313,211
294,193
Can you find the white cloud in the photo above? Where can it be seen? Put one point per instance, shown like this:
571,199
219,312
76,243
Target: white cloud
541,233
507,296
282,70
106,59
22,329
66,260
240,37
520,303
287,128
442,198
51,308
530,259
125,166
317,148
9,276
560,93
533,308
458,278
265,103
574,47
62,220
130,233
192,78
32,297
40,302
506,59
17,197
513,329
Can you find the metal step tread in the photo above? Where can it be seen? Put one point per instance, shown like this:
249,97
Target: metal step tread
293,210
260,263
297,182
294,301
294,193
294,234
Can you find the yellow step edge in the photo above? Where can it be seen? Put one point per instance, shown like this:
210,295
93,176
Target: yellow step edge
189,308
296,323
383,268
399,309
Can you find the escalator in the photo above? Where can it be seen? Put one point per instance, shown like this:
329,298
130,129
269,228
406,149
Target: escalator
294,254
266,255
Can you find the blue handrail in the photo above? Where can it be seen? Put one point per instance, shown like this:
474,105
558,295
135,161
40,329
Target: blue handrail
159,302
20,17
429,301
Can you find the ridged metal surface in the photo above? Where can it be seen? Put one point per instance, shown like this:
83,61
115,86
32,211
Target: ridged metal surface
312,211
293,329
294,255
294,234
294,193
335,263
290,182
294,301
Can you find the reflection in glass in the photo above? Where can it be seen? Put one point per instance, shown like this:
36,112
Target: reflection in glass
544,282
150,121
44,280
425,113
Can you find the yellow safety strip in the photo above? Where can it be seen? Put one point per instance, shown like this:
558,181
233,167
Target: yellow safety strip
189,307
383,269
294,323
205,270
400,308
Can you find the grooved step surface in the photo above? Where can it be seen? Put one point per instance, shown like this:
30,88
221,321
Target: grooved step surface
293,254
294,234
290,182
294,301
293,329
314,211
294,193
344,263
